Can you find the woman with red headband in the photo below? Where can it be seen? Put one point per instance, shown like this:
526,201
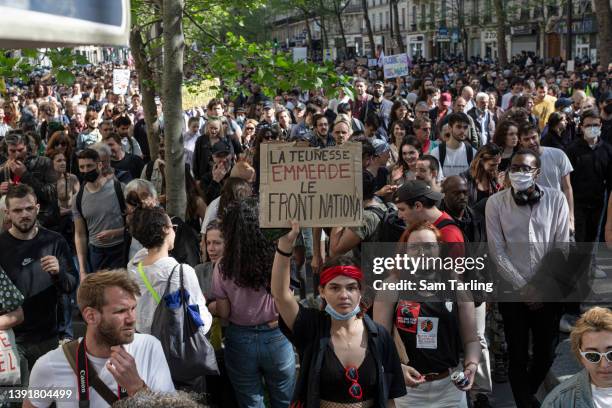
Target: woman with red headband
431,334
346,360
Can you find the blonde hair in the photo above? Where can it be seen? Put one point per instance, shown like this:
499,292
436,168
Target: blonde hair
597,319
93,287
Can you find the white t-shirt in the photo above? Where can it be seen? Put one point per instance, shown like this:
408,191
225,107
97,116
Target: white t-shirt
455,161
555,166
53,370
602,397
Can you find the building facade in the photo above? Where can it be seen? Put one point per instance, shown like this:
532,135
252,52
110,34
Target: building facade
440,28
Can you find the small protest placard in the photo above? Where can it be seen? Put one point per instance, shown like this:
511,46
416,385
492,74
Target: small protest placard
317,187
395,65
198,95
121,81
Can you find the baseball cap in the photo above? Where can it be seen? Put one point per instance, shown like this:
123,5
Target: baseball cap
220,147
563,103
414,189
446,99
380,147
379,83
300,106
268,105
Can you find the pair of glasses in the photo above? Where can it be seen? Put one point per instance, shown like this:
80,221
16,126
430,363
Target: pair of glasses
352,375
595,356
522,169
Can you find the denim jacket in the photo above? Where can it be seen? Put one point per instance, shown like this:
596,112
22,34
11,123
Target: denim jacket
574,392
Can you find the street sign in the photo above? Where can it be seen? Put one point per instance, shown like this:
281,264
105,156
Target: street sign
40,24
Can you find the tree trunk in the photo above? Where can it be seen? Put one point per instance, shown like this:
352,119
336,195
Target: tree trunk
176,201
323,34
147,89
364,6
604,30
398,34
309,36
338,13
500,14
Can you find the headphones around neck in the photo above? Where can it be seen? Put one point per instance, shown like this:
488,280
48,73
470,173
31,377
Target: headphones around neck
525,197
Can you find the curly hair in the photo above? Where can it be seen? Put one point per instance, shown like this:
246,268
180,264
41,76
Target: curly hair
149,226
247,262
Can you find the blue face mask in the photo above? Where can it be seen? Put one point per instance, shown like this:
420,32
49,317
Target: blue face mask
339,316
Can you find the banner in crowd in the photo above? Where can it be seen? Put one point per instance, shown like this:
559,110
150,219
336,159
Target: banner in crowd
300,54
121,81
395,65
317,187
39,24
199,94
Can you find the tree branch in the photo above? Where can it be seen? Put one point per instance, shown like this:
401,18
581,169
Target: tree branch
202,29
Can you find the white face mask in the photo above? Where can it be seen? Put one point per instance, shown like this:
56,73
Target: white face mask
592,132
521,181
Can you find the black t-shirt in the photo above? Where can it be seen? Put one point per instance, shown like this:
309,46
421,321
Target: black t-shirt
21,262
430,332
311,336
130,163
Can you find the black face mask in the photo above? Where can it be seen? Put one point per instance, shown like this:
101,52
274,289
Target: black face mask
91,176
608,109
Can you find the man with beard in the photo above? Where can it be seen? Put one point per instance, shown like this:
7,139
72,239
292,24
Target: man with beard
126,362
378,105
428,170
122,161
36,171
39,263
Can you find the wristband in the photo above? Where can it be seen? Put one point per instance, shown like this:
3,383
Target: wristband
283,253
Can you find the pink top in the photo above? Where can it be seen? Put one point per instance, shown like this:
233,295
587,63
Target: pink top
249,307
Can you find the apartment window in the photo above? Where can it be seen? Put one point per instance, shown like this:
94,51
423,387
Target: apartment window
414,12
443,10
423,16
488,13
387,20
403,18
432,15
380,18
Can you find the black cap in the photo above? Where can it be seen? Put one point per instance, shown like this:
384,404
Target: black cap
300,106
414,189
563,103
379,83
606,96
268,105
220,147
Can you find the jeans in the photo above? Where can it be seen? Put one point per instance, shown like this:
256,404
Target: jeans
30,352
435,394
543,323
255,351
106,258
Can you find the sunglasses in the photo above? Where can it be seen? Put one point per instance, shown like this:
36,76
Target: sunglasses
595,356
352,375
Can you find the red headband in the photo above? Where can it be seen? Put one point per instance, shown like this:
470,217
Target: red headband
348,270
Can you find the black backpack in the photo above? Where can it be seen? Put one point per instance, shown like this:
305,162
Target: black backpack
468,151
391,226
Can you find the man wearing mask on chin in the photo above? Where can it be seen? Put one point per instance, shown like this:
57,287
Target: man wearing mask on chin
98,218
538,216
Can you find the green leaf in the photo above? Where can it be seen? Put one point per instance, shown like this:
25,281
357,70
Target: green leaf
65,77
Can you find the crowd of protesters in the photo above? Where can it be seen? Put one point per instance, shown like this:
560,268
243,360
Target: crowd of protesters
455,152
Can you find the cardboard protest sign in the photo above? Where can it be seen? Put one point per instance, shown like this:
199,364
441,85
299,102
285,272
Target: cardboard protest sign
121,81
317,187
395,65
200,94
41,24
